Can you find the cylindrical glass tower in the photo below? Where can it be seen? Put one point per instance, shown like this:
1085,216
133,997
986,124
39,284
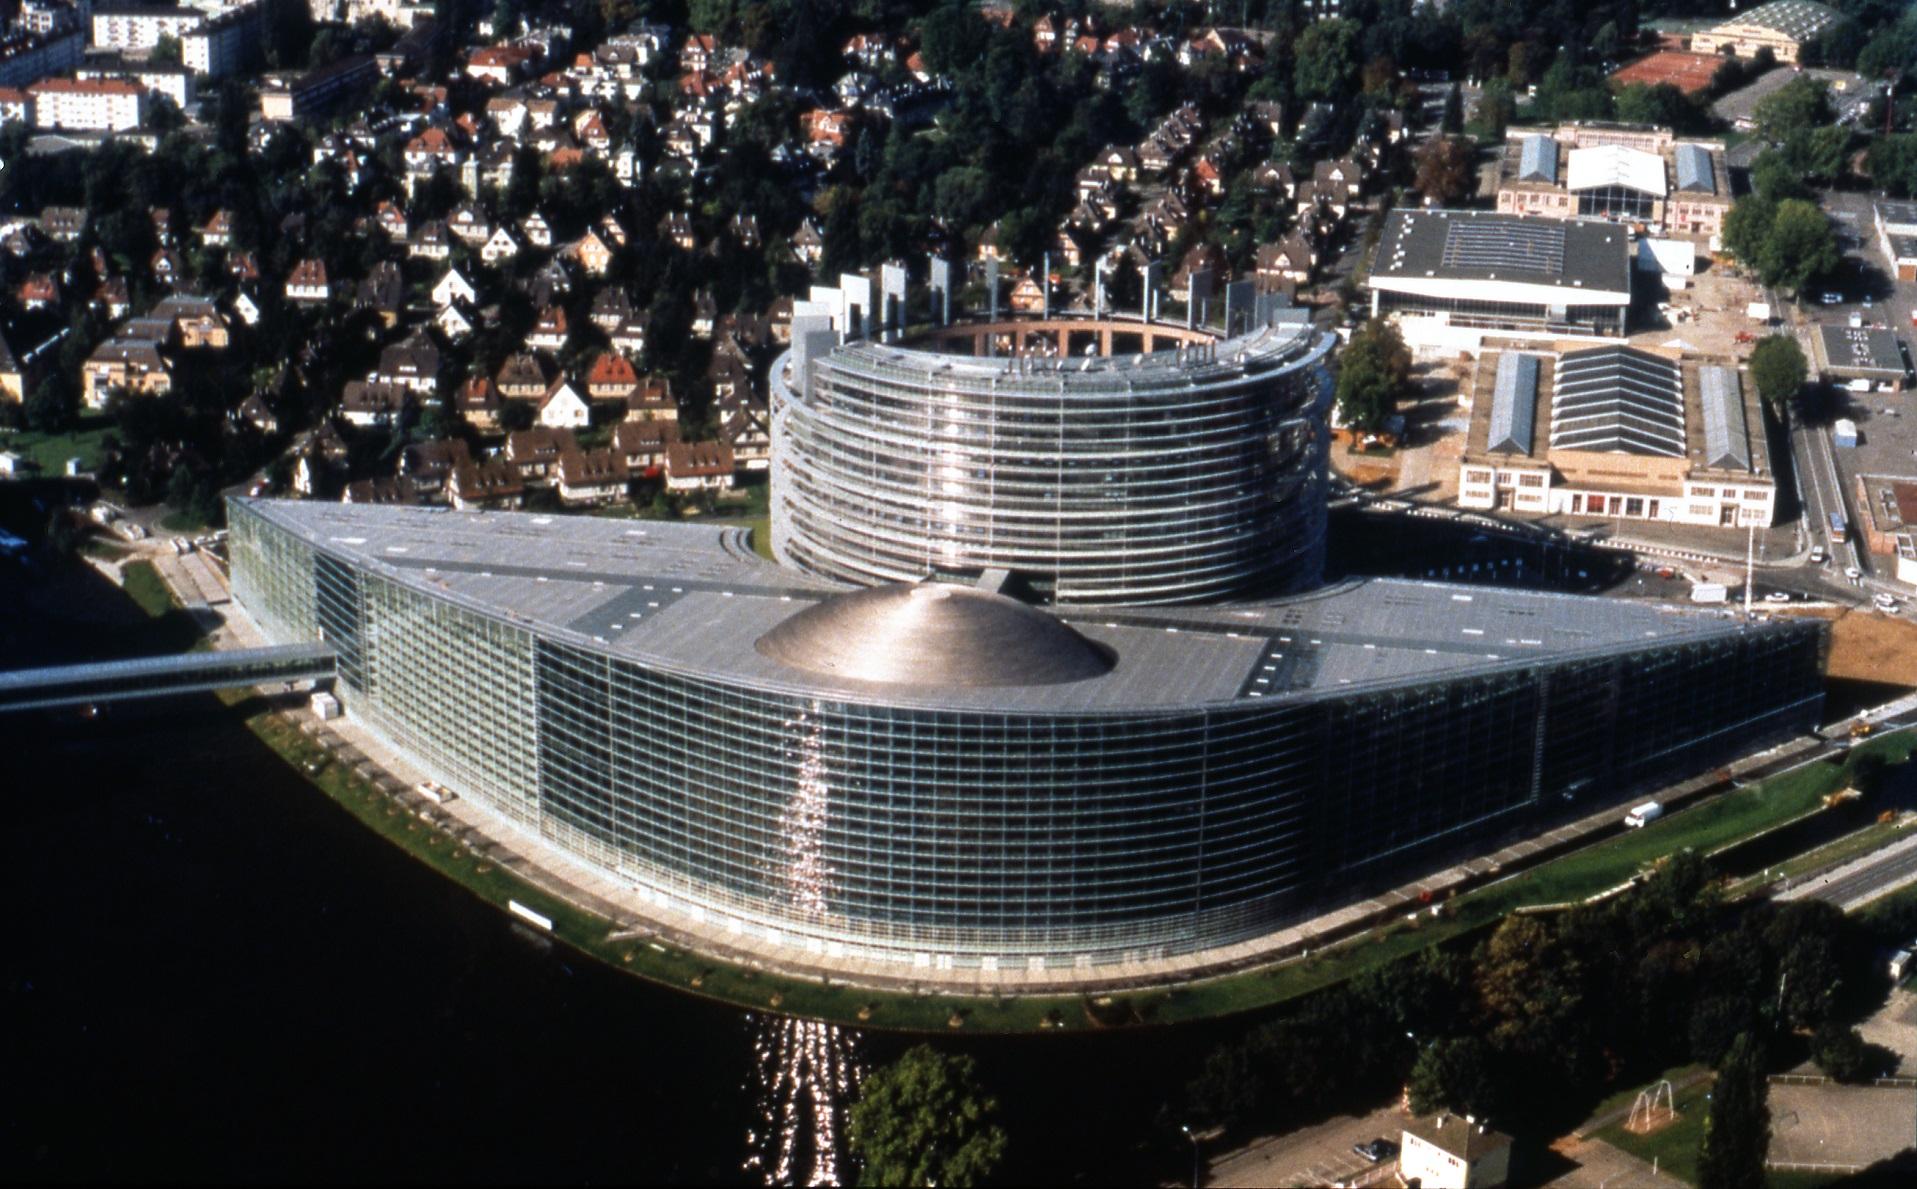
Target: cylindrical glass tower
1179,476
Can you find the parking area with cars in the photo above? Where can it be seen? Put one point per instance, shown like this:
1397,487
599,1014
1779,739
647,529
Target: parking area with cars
1348,1150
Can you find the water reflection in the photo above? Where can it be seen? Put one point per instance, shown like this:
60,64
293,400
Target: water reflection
803,1074
803,1071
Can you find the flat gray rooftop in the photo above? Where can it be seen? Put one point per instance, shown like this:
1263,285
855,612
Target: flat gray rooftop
1482,246
686,598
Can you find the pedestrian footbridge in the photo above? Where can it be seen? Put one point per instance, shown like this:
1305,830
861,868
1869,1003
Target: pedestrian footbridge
157,676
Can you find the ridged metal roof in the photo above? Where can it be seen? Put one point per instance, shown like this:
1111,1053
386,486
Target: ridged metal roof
1538,160
1727,442
1514,403
1694,170
1618,400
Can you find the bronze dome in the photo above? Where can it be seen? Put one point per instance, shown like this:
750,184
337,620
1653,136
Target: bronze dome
933,634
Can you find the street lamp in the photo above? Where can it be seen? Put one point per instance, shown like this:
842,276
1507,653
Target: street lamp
1194,1153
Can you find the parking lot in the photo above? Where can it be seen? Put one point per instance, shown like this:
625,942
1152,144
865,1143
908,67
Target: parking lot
1887,426
1844,1127
1318,1155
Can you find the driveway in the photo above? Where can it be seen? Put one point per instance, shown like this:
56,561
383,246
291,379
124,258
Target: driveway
1316,1155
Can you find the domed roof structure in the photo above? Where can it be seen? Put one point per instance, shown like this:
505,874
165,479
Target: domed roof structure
933,634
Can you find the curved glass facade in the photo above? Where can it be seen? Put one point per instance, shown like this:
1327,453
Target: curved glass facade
1013,832
1175,477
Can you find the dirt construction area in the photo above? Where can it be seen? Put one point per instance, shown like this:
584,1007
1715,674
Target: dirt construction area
1836,1127
1869,646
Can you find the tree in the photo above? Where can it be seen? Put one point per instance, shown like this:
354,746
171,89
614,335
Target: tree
1776,177
1662,104
1452,122
1892,163
1453,1074
923,1120
1748,227
165,51
1843,1054
1800,248
1737,1132
1443,169
51,408
1371,376
1798,106
1496,108
1779,369
1327,56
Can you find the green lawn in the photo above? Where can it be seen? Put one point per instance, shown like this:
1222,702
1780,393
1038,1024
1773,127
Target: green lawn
51,451
145,587
1674,1146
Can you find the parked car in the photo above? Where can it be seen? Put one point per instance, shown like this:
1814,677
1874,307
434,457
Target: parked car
1377,1150
1832,299
1777,596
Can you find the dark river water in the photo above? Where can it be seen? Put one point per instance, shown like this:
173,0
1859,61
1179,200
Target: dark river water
211,971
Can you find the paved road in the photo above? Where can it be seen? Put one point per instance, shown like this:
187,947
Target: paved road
1864,879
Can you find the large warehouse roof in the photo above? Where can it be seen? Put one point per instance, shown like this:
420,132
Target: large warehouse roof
1515,250
1614,165
687,599
1799,20
1618,400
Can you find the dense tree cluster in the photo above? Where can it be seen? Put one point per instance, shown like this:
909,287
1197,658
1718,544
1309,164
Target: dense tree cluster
1535,1022
924,1120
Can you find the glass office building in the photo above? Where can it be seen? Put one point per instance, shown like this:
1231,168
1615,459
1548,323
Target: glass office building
940,777
1174,476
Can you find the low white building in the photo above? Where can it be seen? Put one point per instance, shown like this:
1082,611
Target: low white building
1453,1152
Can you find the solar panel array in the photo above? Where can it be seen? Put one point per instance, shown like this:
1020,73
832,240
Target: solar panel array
1726,437
1694,170
1538,160
1505,244
1617,400
1514,404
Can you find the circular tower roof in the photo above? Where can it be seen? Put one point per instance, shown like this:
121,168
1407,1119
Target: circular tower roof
933,634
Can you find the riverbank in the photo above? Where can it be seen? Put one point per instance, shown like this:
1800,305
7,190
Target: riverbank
487,867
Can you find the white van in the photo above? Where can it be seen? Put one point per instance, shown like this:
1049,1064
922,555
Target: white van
1643,815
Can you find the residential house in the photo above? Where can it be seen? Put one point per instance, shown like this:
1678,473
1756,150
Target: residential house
196,321
522,377
217,232
469,225
453,288
413,364
478,402
428,466
643,444
537,231
610,306
124,365
698,466
307,282
432,240
652,400
500,248
536,452
676,228
562,407
495,483
611,378
592,477
1290,259
255,412
384,292
549,330
807,244
368,403
593,254
630,335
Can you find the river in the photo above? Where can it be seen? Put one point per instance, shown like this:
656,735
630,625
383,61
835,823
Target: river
213,972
